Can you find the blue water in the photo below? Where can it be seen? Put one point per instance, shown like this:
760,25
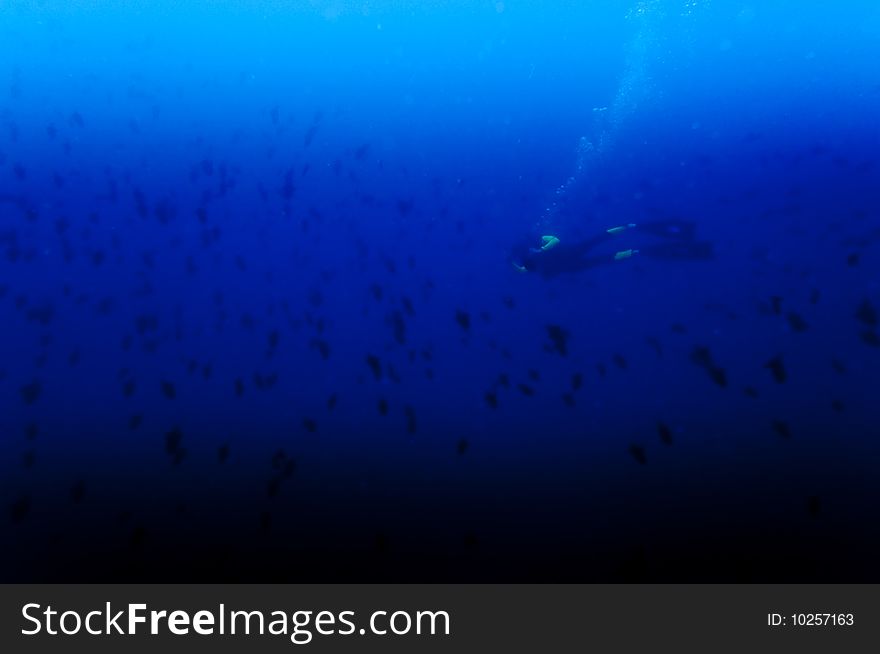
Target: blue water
260,320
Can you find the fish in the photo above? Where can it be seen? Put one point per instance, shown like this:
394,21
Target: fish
410,413
375,365
31,391
866,313
665,433
776,366
525,389
322,346
559,339
398,326
702,357
173,445
776,304
361,151
638,453
168,389
796,322
781,428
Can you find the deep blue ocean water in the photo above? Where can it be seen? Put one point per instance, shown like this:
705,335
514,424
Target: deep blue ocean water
260,320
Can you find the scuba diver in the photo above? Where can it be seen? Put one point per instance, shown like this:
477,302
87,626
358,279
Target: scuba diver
677,240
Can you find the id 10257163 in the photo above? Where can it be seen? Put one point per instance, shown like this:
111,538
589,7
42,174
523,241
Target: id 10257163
810,620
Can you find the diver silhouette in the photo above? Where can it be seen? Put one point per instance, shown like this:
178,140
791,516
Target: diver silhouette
667,239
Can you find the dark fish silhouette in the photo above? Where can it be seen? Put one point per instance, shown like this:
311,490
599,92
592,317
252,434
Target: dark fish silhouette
665,433
375,366
866,313
776,366
322,346
168,389
558,338
796,322
638,453
31,430
173,445
410,413
361,151
781,428
310,134
776,304
398,327
526,390
31,392
702,357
